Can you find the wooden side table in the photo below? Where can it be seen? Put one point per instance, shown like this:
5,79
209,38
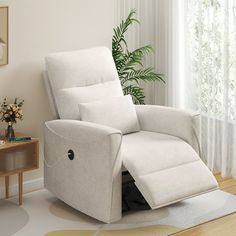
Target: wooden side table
16,158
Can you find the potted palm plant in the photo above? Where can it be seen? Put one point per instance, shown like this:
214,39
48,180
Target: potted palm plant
129,63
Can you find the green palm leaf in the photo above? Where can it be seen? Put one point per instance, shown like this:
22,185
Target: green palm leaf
130,64
135,92
144,75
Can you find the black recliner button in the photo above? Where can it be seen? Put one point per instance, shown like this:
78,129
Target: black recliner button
71,155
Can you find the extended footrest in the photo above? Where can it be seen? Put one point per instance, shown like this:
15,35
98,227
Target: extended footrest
165,168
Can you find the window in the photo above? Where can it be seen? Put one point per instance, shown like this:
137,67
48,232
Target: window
211,57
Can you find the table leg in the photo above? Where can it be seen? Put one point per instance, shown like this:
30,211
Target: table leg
20,180
7,186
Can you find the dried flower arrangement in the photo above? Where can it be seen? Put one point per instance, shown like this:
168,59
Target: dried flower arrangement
11,112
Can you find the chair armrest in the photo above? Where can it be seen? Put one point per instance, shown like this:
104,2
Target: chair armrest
94,174
172,121
80,131
99,142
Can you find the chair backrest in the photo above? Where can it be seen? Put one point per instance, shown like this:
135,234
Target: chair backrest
51,97
80,76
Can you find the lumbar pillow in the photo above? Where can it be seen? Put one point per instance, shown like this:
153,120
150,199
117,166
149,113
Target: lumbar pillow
68,98
117,112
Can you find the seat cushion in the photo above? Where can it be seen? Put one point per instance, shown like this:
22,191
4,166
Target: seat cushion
152,152
165,168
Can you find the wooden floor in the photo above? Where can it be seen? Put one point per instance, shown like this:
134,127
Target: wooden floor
225,226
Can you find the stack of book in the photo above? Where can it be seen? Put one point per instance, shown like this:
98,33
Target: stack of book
20,139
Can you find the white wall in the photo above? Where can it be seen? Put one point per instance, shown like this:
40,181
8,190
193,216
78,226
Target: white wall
36,28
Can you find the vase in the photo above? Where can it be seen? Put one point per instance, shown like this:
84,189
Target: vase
9,132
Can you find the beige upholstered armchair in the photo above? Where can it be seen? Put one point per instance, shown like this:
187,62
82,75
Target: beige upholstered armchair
85,152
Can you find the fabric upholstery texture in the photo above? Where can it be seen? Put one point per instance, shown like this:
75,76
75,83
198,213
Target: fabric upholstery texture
92,181
165,168
50,95
163,157
117,112
80,69
168,120
76,95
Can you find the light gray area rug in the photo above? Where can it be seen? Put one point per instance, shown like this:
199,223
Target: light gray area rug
42,214
9,224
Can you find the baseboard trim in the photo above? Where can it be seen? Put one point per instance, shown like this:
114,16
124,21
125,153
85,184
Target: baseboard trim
28,186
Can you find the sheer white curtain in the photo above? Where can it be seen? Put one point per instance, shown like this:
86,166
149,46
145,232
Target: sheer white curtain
153,15
209,77
195,43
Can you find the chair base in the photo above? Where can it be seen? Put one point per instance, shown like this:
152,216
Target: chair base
132,199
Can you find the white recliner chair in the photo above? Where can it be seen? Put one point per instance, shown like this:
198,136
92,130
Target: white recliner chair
83,160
